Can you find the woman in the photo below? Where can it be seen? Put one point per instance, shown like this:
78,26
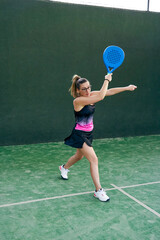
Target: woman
81,137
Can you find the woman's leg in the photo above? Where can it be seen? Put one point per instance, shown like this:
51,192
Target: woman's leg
75,158
90,154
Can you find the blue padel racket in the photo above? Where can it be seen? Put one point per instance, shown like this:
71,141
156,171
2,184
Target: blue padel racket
113,57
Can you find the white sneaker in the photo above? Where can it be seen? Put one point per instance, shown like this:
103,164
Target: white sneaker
101,195
64,172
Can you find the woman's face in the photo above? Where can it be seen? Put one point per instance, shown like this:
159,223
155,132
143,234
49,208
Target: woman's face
85,89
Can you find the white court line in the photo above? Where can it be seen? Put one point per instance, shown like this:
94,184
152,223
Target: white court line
50,198
136,200
69,195
142,184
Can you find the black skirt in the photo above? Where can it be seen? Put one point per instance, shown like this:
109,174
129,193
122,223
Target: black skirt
77,138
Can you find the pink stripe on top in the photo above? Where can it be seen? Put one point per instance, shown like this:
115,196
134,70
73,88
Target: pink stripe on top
86,127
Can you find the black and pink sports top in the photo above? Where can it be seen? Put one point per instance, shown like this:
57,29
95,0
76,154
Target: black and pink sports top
84,118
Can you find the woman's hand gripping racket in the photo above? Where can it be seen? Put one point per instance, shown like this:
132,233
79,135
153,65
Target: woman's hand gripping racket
113,57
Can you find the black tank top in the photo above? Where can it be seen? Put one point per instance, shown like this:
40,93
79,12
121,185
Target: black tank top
84,118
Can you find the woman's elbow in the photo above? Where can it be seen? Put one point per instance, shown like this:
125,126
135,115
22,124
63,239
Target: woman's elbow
102,97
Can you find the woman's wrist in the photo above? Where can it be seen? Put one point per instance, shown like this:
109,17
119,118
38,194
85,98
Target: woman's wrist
106,79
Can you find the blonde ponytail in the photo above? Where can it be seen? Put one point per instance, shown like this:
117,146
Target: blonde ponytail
73,88
76,82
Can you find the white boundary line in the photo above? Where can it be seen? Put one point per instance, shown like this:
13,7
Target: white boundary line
136,200
50,198
71,195
142,184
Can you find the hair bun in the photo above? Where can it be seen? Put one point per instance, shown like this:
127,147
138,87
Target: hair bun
75,78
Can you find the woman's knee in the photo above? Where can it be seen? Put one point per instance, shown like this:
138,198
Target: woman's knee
90,154
94,160
78,156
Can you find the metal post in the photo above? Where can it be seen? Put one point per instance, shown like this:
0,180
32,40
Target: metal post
148,5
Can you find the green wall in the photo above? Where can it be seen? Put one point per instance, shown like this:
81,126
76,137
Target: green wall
43,44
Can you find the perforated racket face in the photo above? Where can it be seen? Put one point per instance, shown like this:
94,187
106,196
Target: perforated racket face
113,57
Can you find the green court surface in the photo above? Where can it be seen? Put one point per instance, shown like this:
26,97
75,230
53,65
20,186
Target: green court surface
36,204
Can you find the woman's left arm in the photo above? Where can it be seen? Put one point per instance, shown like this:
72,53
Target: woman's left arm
113,91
